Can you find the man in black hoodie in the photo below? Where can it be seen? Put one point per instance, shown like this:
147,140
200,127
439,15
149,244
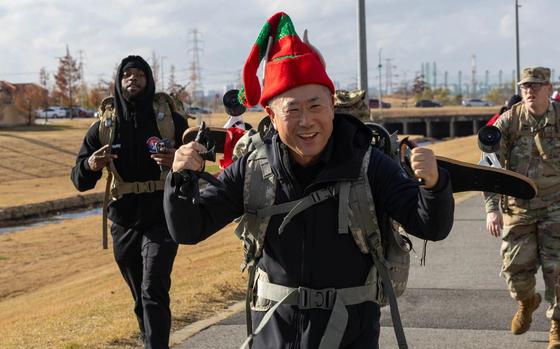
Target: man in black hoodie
312,267
142,246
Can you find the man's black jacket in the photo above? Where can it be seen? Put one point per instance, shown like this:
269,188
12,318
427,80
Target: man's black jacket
310,252
136,124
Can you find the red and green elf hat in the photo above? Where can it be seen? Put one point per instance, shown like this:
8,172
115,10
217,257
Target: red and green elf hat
290,63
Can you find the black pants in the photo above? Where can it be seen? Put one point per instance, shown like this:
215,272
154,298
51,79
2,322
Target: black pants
145,259
292,328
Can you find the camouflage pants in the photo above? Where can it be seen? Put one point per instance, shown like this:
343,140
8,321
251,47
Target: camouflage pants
525,247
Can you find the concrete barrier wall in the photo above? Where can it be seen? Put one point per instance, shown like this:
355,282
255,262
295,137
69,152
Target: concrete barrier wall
21,212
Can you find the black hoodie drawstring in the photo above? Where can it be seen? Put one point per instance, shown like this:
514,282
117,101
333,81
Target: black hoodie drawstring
133,115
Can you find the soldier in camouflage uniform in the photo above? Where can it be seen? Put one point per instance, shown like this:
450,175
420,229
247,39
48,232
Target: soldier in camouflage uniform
531,228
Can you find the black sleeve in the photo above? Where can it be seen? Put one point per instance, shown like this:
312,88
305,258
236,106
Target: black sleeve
218,206
180,128
82,176
425,213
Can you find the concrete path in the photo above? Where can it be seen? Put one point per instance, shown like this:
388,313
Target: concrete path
458,300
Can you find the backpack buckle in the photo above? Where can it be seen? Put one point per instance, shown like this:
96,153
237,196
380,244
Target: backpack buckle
316,299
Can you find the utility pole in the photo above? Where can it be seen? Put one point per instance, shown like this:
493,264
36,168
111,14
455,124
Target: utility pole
473,76
379,66
460,82
517,6
362,48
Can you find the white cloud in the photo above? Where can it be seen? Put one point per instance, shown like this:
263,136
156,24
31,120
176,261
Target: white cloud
34,33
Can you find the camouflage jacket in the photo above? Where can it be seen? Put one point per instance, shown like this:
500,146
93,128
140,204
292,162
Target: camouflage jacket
530,147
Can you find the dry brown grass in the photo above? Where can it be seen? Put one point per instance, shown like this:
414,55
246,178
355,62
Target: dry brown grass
37,160
59,289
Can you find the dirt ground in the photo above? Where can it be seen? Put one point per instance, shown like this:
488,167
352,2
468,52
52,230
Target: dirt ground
59,289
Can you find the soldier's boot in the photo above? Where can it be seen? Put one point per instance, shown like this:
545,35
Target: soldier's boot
554,336
522,319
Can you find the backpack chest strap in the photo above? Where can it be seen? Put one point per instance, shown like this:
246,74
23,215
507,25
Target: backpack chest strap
295,207
308,298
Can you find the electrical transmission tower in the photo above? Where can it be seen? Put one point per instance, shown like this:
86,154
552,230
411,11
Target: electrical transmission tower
82,93
81,65
195,78
500,78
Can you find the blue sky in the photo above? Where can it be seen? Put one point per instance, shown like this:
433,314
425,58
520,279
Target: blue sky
409,32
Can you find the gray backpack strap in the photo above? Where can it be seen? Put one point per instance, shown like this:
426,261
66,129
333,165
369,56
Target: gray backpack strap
293,208
343,194
366,233
306,202
382,268
252,229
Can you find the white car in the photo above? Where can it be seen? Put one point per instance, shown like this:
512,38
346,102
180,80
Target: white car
52,113
475,102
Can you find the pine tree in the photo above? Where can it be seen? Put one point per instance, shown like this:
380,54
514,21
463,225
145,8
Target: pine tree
66,79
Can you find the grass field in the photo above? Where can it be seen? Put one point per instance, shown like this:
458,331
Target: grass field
59,289
36,160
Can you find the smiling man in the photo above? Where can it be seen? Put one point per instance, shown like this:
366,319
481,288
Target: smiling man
531,228
309,271
125,141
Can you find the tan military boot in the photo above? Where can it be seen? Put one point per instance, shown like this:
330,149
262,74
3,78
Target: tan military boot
554,337
522,319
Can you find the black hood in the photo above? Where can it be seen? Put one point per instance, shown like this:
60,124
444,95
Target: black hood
144,100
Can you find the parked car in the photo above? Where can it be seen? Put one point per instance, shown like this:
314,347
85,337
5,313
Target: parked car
196,110
52,112
374,103
426,103
475,102
79,112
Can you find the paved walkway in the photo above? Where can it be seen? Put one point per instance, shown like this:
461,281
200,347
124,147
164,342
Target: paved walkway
457,300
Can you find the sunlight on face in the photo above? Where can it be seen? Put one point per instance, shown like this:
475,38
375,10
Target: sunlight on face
535,96
303,117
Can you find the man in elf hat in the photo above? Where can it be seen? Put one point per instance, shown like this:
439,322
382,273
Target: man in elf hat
530,229
125,140
309,266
